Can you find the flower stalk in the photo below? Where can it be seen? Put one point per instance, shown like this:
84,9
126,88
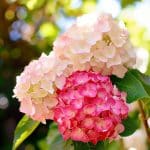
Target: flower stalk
144,119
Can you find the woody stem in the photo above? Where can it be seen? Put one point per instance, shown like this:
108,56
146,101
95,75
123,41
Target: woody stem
144,120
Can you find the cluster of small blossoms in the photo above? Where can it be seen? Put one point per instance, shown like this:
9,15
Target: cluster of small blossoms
97,42
90,108
71,86
37,84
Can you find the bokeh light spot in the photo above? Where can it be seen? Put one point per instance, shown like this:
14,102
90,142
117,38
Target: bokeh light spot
21,13
9,14
48,30
14,35
29,147
31,4
3,101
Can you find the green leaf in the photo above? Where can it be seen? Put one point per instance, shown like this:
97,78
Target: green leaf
131,124
114,145
130,84
102,145
144,79
55,140
53,137
81,146
89,146
24,128
42,144
57,143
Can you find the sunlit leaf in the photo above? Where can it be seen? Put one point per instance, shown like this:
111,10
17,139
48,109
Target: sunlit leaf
24,128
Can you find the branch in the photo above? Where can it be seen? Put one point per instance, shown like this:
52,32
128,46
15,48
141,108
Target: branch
144,120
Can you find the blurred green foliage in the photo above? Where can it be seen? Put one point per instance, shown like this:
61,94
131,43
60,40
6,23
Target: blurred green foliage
28,28
125,3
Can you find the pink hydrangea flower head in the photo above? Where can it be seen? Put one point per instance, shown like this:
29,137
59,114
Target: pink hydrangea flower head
36,86
97,42
90,108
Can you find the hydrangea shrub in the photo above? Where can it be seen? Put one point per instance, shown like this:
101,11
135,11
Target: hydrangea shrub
74,86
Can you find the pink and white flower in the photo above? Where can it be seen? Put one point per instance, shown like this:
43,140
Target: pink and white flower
69,85
37,84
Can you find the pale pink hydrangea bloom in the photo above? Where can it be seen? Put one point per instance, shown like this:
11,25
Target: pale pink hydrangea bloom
36,86
96,42
90,108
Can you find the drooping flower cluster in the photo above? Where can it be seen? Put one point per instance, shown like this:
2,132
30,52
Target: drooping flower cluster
97,42
90,108
68,84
